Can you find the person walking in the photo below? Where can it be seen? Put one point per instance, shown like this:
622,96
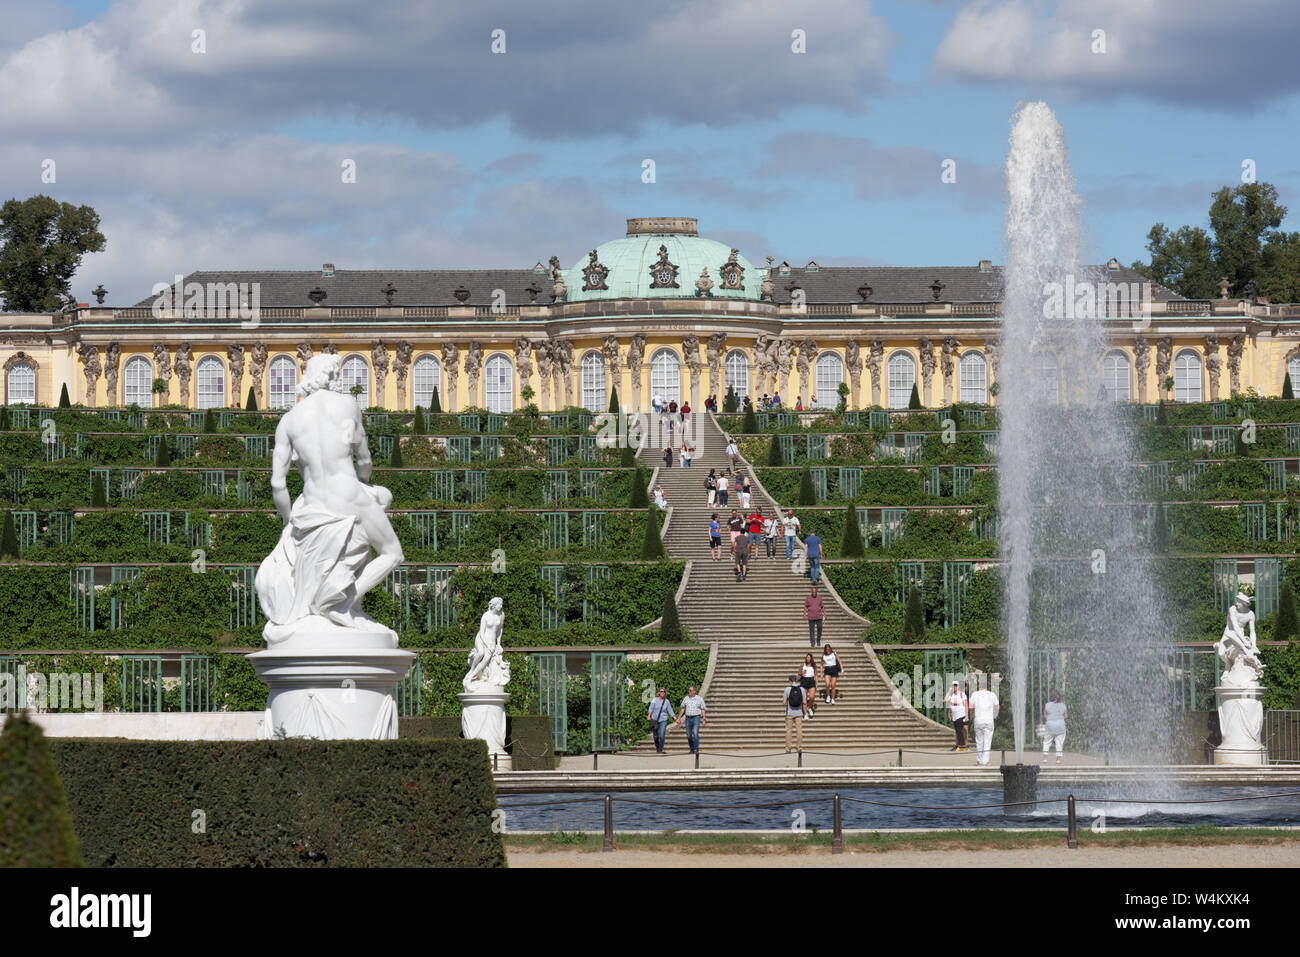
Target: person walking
956,702
686,410
742,482
657,403
742,556
813,545
660,713
668,457
808,683
793,698
711,489
693,715
755,532
790,526
770,526
984,710
715,537
831,671
735,525
733,453
1054,722
687,454
659,499
814,611
722,489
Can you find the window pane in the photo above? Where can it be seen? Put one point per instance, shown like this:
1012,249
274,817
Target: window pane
974,373
356,372
283,375
593,382
830,373
498,386
666,376
902,375
137,383
736,374
210,384
425,377
22,383
1187,377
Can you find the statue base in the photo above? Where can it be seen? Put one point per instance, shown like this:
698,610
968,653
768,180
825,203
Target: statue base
332,690
1241,719
483,715
1019,784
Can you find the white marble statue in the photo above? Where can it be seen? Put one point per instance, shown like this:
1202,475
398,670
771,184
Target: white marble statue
1237,649
488,670
315,578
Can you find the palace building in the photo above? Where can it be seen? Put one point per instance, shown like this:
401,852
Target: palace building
661,310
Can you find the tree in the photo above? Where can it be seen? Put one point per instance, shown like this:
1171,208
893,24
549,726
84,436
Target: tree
1161,417
209,421
729,401
164,454
807,495
1241,217
9,538
774,456
251,404
842,390
1287,391
653,546
1288,627
851,544
749,425
41,245
1279,268
639,498
64,401
98,492
1182,261
670,627
4,418
915,401
35,824
435,404
613,401
627,456
395,460
417,422
914,616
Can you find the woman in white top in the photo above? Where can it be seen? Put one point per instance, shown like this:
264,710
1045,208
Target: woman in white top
687,453
831,670
1054,721
659,497
808,681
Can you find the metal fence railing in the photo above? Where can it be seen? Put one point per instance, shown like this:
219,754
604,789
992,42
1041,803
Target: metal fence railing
1282,736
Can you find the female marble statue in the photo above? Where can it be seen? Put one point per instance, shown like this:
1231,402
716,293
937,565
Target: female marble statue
487,664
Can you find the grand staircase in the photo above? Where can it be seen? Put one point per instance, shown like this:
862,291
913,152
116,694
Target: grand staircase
760,632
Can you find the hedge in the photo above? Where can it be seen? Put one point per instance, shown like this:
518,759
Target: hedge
293,803
35,826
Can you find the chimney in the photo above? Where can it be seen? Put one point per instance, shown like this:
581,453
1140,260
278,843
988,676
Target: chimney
327,271
986,265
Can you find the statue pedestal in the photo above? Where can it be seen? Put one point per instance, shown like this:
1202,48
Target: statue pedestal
331,687
483,715
1241,719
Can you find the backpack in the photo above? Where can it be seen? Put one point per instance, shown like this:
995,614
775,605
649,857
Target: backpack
796,697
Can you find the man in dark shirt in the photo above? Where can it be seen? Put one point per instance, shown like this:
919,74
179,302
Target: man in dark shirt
815,612
742,557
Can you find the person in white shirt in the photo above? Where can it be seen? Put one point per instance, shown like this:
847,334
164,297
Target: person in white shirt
733,453
1054,720
984,709
659,497
956,702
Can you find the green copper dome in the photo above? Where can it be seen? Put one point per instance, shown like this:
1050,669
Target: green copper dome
641,265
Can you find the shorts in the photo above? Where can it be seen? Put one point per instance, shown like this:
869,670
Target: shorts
808,682
832,671
734,536
714,541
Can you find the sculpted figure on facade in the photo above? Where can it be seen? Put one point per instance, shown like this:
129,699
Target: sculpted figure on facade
853,363
257,368
558,289
402,365
807,352
90,368
451,369
947,365
112,363
304,355
691,357
379,359
162,362
1213,365
993,349
235,356
764,362
473,363
545,358
563,371
927,368
1236,346
524,361
1141,363
1164,358
875,357
182,366
785,349
713,351
635,352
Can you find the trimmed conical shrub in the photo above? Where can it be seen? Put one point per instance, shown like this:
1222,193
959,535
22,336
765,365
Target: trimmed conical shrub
729,401
774,457
164,454
1287,391
251,404
807,496
35,825
1288,627
750,424
915,401
64,401
613,400
395,460
653,546
417,422
1241,448
435,404
4,417
851,544
627,456
209,421
914,617
640,497
670,628
98,492
1161,417
9,538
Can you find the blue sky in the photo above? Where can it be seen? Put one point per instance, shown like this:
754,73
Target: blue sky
230,158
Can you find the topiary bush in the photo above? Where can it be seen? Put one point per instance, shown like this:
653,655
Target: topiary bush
851,543
670,628
9,538
915,401
36,829
653,546
807,494
640,496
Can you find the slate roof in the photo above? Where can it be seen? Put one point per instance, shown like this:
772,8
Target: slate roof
436,287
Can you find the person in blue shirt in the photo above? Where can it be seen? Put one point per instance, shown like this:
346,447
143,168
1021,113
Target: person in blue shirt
814,546
715,537
660,713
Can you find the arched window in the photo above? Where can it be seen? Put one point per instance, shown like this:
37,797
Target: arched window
1115,377
283,385
426,375
736,374
1187,376
499,384
973,378
594,396
137,382
1046,378
210,384
1293,367
22,383
901,377
826,382
666,376
356,372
